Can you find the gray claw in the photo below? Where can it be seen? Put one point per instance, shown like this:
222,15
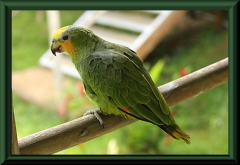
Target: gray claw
96,113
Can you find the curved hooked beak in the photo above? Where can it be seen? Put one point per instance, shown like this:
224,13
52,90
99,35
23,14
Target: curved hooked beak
55,47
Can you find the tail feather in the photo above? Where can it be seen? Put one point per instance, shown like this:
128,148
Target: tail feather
176,132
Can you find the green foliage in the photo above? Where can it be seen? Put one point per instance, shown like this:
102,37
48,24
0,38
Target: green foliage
156,70
24,54
209,46
204,117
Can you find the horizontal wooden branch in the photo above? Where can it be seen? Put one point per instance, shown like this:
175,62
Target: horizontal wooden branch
195,83
83,129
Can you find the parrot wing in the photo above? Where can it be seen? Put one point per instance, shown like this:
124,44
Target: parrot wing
118,77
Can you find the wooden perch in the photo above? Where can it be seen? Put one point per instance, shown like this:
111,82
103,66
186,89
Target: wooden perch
15,149
83,129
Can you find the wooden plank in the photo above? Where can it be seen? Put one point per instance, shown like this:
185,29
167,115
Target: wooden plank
114,36
83,129
126,20
148,40
89,17
123,24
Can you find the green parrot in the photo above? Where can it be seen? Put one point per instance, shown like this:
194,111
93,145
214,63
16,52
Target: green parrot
115,78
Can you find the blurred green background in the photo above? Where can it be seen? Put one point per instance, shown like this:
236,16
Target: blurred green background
204,118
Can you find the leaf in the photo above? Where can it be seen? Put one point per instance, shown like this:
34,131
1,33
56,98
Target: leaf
156,70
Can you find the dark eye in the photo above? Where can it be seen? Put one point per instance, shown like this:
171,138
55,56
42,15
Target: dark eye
65,37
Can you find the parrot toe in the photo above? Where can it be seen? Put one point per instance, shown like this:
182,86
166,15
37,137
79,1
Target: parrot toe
96,113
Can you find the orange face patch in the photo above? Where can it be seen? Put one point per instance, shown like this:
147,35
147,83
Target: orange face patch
68,47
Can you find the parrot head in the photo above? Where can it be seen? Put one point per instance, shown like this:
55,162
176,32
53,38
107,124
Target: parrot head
72,39
61,41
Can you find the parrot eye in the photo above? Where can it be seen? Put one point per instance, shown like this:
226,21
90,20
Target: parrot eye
65,37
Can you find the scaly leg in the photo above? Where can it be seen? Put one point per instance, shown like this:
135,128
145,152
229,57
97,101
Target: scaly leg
96,113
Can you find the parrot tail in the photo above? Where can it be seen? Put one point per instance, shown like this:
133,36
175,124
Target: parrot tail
176,132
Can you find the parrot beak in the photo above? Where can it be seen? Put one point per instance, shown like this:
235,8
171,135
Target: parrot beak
55,47
53,50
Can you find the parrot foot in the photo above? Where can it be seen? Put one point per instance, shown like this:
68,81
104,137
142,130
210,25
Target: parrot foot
96,113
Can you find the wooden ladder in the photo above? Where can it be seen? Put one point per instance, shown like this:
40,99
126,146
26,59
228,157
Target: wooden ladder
139,30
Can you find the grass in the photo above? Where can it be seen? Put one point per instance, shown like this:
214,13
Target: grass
204,118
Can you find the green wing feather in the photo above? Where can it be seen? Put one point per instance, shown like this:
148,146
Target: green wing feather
118,77
116,80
